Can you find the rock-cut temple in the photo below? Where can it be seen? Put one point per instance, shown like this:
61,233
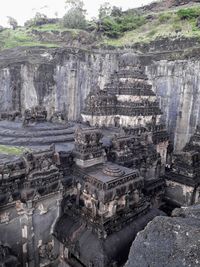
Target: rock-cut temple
78,193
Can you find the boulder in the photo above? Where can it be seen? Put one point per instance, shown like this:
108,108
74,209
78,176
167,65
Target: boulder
169,241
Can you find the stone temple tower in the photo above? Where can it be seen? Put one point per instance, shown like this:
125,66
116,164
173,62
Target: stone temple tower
129,102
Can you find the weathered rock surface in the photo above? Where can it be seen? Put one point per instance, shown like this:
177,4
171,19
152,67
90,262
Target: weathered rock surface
169,242
67,37
56,78
177,85
62,78
166,4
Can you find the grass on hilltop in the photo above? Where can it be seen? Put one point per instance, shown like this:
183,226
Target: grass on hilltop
12,150
48,27
126,29
12,38
22,36
54,28
164,24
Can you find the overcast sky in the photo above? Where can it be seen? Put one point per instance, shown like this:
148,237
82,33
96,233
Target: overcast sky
22,10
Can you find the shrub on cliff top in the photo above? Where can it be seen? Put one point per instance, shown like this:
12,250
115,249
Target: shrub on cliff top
189,13
116,26
39,20
75,15
13,22
74,19
110,27
164,17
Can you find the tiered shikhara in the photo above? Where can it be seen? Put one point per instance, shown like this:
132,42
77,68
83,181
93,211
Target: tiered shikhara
127,100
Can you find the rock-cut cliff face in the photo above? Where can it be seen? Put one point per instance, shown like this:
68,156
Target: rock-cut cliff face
62,78
57,78
177,83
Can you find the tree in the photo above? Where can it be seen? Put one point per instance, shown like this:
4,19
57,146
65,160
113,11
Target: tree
38,20
74,19
1,28
12,22
116,11
74,4
104,10
40,16
75,16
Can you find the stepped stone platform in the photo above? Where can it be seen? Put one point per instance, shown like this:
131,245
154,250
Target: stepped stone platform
36,135
7,158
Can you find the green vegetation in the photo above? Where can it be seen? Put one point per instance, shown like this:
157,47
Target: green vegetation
159,25
20,37
116,28
11,38
189,13
38,20
164,17
48,27
13,22
75,16
74,19
12,150
110,27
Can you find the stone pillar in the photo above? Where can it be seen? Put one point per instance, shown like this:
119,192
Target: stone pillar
94,206
78,194
136,197
58,202
27,235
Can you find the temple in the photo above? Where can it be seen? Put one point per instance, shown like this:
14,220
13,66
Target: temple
129,103
79,192
127,100
107,206
118,173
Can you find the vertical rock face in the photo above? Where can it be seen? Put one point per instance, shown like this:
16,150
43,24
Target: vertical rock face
6,96
10,79
177,85
58,80
28,92
62,78
77,75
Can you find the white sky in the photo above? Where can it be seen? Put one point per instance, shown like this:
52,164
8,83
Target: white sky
23,10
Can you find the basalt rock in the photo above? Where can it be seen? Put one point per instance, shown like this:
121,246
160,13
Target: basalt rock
60,79
168,242
166,4
66,37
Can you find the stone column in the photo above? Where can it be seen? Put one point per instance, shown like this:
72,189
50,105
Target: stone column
27,235
94,206
78,194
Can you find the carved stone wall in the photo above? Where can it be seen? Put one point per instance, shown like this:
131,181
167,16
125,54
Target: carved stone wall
27,227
